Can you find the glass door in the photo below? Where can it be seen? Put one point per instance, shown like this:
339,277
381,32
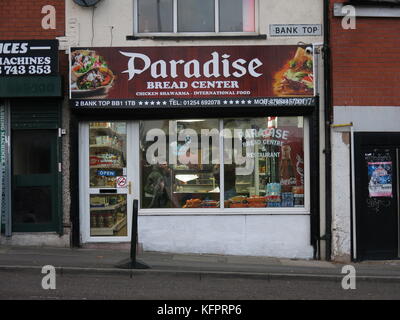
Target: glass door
35,180
109,182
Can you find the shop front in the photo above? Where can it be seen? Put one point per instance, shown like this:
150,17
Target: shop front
30,101
377,196
218,144
367,199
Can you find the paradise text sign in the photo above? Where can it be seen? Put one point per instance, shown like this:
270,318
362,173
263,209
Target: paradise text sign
192,76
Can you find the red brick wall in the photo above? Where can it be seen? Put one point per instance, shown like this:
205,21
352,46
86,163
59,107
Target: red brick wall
365,62
22,20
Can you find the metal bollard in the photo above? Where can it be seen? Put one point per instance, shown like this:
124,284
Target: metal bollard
132,262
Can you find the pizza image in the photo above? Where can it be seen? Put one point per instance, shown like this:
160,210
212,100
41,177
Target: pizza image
296,78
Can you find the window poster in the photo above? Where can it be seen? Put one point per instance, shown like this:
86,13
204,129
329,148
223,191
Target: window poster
380,179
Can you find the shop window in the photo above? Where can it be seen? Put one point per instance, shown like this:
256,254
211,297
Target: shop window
32,152
108,215
268,171
193,16
262,161
107,153
180,163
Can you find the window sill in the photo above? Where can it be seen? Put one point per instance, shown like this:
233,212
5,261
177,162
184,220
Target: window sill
194,37
224,212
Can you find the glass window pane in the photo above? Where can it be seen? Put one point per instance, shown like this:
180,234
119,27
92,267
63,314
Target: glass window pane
180,163
196,16
108,215
264,162
155,15
31,152
231,16
32,205
107,153
236,15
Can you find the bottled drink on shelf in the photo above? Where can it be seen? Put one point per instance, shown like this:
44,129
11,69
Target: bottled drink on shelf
287,173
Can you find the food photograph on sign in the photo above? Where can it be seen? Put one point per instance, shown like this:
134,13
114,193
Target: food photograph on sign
296,77
128,75
90,74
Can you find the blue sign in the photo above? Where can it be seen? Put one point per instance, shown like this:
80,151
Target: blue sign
106,173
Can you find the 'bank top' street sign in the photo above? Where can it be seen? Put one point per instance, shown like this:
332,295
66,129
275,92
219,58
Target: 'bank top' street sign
292,30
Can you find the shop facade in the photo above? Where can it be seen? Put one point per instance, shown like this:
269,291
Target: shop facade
31,144
220,144
34,117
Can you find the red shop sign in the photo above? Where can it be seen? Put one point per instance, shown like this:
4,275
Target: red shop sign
155,76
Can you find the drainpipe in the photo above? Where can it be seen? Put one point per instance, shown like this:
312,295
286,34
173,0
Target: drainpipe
328,120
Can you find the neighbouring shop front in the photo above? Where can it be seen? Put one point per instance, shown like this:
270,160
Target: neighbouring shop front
377,215
367,183
218,144
30,92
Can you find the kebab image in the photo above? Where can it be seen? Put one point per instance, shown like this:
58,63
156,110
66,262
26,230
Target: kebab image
296,77
90,72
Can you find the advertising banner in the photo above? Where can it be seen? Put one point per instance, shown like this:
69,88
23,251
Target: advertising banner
380,179
28,57
157,77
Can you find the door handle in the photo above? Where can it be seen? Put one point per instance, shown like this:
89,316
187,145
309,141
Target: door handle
130,187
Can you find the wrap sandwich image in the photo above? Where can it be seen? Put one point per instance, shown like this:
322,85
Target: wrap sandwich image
95,78
90,74
296,77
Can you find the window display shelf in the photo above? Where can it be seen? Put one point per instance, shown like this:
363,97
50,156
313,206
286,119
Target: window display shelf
195,192
183,171
106,166
203,184
108,208
106,130
106,146
109,231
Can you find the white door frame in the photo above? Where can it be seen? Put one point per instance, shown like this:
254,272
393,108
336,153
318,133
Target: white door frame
132,157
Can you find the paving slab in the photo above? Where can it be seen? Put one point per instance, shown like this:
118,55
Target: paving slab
104,259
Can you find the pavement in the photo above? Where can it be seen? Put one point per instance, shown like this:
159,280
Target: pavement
104,261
